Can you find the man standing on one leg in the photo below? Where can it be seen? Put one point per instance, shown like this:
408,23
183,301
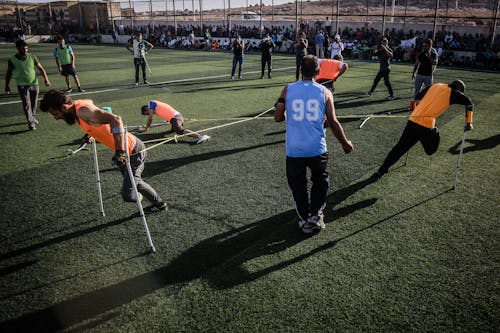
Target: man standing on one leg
431,103
139,47
304,105
384,54
21,67
65,61
106,128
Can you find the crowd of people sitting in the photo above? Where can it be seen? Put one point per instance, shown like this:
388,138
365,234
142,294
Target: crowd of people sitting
454,49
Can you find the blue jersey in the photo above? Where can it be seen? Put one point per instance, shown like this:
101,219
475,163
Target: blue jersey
305,111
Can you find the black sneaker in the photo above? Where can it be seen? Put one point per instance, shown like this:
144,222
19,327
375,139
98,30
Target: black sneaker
156,208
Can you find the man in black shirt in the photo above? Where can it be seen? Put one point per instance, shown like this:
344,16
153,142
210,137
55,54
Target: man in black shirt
384,54
238,46
266,46
424,67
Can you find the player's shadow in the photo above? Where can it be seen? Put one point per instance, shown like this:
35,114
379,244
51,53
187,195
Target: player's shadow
218,259
154,168
488,143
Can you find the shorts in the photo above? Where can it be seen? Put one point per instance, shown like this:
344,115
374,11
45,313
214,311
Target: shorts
177,123
68,70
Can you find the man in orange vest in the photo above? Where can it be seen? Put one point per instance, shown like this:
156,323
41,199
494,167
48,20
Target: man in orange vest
431,103
171,115
106,128
329,71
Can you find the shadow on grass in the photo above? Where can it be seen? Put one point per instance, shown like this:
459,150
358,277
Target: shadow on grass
218,259
15,132
488,143
159,167
17,267
65,237
10,125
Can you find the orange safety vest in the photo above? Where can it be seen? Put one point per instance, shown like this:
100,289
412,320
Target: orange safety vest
101,133
165,111
329,69
434,103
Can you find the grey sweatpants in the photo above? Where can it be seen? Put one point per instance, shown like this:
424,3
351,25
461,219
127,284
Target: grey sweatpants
137,165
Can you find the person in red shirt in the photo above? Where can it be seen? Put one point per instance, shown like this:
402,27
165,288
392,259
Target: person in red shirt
106,128
171,115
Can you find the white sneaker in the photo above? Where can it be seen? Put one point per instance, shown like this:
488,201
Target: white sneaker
317,222
202,138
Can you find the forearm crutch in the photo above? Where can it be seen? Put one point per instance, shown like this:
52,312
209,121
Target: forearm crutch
98,178
137,196
468,126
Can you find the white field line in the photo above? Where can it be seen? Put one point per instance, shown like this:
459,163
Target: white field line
154,84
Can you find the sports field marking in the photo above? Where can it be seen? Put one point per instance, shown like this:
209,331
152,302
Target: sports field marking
76,94
154,84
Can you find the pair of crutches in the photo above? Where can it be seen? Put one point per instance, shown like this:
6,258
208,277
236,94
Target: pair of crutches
134,186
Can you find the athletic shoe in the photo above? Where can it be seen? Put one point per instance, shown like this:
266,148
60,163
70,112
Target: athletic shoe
317,221
81,90
232,77
156,208
240,77
146,82
136,84
31,127
369,93
306,227
202,138
69,90
262,77
35,122
269,76
391,98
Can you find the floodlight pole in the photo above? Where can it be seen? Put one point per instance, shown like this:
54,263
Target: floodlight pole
383,18
337,21
435,20
495,19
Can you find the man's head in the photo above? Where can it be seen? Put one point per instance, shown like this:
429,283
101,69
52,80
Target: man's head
138,36
61,41
145,110
58,104
384,41
458,85
309,66
337,37
21,47
427,44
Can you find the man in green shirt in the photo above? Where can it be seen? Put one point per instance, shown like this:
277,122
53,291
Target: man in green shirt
65,61
21,67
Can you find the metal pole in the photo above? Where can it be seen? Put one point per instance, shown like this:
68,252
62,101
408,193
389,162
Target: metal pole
229,19
392,11
495,20
96,17
131,14
175,19
80,12
457,171
435,20
192,6
296,18
383,18
337,21
260,24
201,15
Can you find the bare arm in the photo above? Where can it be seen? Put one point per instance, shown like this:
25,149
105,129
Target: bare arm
335,125
42,71
149,46
279,114
127,46
8,76
95,116
415,68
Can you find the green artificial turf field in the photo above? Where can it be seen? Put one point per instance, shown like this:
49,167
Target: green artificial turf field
403,254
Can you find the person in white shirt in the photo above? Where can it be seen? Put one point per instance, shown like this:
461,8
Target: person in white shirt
336,47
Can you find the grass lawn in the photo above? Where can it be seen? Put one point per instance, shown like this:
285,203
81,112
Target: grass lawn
403,254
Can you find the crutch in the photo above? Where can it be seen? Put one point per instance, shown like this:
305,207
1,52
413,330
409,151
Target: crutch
138,199
70,152
146,62
468,126
98,178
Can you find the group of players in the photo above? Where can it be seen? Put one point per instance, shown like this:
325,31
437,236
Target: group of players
305,105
